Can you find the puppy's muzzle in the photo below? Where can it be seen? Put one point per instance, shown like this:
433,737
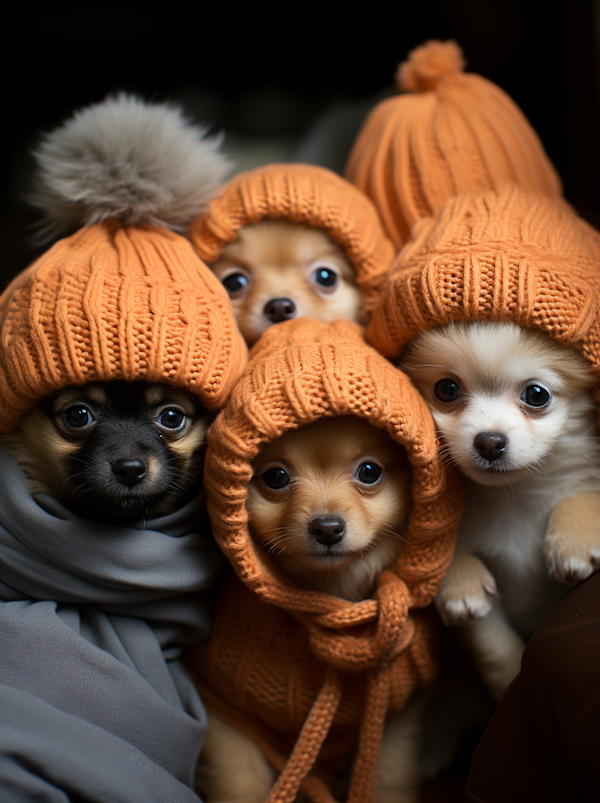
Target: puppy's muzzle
490,445
279,309
327,531
129,471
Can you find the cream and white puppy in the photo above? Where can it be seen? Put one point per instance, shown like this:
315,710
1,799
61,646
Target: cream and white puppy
516,414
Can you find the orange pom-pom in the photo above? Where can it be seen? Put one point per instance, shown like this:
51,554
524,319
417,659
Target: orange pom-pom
429,64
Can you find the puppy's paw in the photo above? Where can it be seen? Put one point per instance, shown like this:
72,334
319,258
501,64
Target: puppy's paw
572,542
571,568
467,592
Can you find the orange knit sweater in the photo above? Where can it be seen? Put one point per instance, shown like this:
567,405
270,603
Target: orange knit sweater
308,675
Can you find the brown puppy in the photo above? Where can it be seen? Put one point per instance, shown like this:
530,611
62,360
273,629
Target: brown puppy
328,503
277,270
114,451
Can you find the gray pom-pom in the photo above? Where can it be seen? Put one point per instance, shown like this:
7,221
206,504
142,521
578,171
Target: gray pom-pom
126,159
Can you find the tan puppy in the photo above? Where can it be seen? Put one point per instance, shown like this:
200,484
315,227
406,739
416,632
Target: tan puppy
329,503
115,451
517,416
277,270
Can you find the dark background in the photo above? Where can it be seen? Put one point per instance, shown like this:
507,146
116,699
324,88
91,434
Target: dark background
266,77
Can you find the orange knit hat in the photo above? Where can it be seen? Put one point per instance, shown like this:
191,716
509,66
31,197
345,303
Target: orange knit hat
500,255
282,659
304,194
115,301
452,132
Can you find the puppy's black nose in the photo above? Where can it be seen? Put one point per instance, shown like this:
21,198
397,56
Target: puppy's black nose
129,470
490,445
327,531
279,309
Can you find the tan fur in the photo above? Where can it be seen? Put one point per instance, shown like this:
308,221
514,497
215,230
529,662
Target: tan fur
233,768
279,258
572,542
322,459
40,450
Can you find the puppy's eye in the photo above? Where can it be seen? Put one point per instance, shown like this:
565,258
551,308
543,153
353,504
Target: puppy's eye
236,284
172,418
275,478
447,390
326,278
77,417
536,396
368,473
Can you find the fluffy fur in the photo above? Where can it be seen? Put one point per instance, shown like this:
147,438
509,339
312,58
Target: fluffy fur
322,496
532,473
273,272
126,159
114,451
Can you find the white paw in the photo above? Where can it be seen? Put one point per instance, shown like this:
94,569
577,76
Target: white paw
458,611
467,592
573,568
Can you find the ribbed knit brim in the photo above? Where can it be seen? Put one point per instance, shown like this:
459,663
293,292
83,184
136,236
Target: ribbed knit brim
500,255
450,132
303,194
114,302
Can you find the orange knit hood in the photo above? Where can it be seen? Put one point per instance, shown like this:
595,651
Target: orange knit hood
124,297
501,255
303,194
282,659
448,132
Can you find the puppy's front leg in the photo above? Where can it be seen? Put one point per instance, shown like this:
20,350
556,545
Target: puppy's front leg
466,592
232,768
496,649
572,542
399,773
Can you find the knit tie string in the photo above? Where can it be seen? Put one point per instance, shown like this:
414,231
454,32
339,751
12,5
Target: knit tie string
393,631
311,738
364,776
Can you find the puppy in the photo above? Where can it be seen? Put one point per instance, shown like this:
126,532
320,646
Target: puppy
277,270
114,451
328,503
516,414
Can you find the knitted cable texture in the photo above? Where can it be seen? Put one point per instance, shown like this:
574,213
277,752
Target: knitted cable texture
303,194
307,674
450,132
500,255
116,302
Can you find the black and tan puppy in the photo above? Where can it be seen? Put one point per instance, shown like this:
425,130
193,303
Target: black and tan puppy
115,451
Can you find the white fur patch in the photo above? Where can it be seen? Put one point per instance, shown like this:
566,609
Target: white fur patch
552,454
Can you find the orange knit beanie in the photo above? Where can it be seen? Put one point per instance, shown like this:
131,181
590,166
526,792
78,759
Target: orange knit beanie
282,660
303,194
113,300
451,132
500,255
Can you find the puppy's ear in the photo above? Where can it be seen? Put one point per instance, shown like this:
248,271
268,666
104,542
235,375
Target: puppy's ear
40,450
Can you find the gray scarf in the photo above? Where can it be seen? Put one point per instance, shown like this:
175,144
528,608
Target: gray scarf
94,704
